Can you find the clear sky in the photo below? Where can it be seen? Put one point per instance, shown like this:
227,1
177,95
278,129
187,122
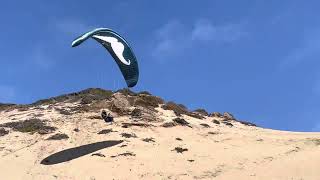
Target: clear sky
256,59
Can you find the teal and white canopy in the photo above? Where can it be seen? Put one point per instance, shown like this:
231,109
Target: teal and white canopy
119,49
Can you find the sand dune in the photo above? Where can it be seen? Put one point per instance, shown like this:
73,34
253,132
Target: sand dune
85,147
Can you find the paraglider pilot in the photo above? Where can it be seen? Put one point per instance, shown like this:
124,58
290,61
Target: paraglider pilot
107,117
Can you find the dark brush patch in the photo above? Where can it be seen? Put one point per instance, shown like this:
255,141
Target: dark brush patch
168,124
94,117
126,92
127,135
124,145
247,123
216,122
22,108
202,112
195,115
205,125
145,93
136,113
87,100
228,124
182,122
228,116
105,131
98,154
93,93
149,102
30,126
63,111
3,132
215,114
81,109
38,115
179,149
148,140
214,133
177,109
126,125
5,107
58,136
124,154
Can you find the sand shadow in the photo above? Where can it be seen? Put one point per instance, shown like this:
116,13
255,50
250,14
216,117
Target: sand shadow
76,152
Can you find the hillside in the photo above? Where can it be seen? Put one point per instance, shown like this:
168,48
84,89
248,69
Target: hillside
65,137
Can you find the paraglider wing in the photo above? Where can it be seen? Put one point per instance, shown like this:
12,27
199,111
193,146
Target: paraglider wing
119,49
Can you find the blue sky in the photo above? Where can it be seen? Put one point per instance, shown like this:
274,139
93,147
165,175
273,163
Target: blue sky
256,59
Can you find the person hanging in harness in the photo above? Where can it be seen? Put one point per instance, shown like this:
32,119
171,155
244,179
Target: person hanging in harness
107,117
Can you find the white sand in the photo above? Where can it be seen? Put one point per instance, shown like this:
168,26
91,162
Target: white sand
238,152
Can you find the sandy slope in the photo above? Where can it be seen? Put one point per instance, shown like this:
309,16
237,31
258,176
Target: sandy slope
218,152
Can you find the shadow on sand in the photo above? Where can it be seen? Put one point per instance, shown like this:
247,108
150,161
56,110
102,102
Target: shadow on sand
73,153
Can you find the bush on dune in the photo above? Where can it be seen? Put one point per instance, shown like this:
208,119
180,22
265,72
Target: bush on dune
30,126
177,109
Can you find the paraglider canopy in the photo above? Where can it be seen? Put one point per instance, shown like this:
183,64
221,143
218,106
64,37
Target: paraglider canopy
119,49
